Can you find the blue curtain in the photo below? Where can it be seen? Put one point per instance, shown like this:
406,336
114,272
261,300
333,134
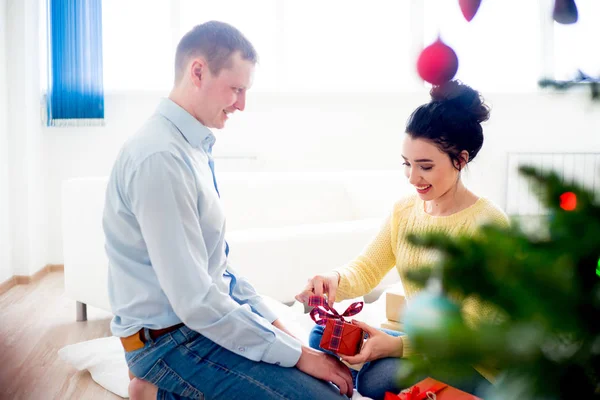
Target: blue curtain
75,86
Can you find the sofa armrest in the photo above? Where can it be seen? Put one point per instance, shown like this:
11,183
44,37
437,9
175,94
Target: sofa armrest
86,264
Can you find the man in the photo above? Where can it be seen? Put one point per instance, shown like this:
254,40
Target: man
190,326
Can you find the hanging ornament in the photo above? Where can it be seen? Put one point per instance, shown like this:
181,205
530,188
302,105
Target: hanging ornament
469,8
565,12
568,201
437,63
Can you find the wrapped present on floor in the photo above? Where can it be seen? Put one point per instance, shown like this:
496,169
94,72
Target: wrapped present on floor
395,303
339,336
430,389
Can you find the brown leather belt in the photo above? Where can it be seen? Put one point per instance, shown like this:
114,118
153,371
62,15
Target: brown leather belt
137,340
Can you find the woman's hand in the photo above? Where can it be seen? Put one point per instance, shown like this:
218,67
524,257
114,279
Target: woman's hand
319,285
378,345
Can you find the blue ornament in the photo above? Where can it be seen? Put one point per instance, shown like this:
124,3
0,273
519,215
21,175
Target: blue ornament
430,316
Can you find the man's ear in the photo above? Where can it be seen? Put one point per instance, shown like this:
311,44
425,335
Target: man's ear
197,71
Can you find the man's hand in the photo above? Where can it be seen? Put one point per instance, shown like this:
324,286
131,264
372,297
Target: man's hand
378,345
319,285
326,367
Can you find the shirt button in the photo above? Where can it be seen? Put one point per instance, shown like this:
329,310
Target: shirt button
242,349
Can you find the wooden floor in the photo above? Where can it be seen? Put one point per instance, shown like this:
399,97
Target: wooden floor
36,320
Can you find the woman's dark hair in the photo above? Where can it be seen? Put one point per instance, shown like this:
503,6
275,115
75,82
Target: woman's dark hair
451,120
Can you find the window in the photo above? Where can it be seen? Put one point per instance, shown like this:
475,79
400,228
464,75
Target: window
138,51
352,45
499,50
576,45
347,45
333,46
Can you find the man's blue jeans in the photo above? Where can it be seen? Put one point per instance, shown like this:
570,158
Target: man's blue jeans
185,364
379,376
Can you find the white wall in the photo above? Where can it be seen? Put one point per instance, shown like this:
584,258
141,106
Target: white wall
6,269
26,155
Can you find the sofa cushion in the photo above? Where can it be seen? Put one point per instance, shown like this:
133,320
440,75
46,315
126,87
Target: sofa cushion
374,193
272,200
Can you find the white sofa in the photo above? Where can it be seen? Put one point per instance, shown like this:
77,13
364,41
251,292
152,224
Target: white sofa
283,227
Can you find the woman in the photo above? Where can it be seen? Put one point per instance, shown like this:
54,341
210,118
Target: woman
442,137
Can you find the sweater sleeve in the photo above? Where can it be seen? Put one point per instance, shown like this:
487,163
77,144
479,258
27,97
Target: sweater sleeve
365,272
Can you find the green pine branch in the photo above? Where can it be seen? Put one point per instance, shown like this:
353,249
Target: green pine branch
543,332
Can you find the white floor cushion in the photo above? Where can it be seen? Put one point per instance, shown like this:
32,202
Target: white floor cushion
104,359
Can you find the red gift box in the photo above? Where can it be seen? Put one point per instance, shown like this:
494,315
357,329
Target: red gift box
428,387
342,337
339,336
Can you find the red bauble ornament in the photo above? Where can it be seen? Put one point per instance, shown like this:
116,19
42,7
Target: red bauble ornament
469,8
437,63
568,201
565,12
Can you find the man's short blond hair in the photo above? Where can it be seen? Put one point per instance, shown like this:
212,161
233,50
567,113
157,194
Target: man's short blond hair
216,42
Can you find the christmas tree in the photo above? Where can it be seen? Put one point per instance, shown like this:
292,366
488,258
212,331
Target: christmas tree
543,288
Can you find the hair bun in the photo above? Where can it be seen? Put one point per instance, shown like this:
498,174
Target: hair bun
463,97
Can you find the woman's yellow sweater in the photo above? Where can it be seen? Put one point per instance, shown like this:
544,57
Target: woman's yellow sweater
390,248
